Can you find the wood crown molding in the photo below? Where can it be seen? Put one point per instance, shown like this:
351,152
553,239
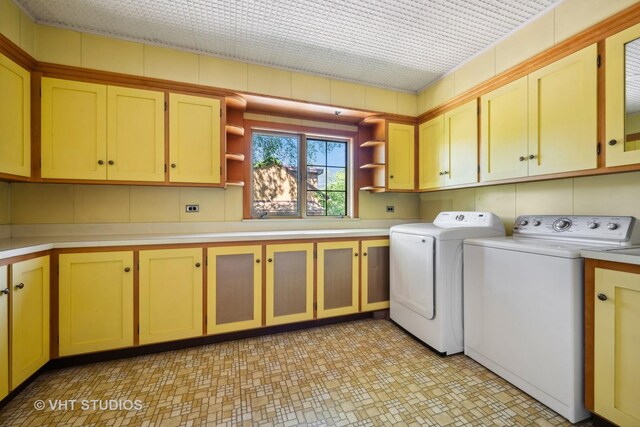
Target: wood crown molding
594,34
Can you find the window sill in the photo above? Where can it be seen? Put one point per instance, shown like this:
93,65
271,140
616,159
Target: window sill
296,219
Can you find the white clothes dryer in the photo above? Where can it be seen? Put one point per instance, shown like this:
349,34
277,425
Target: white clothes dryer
426,275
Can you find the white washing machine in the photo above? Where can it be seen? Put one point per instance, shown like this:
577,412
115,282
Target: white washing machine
426,275
523,303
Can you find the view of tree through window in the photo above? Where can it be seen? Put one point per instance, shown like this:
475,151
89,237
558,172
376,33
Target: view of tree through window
277,188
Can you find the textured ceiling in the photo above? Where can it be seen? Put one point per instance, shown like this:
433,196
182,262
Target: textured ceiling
402,44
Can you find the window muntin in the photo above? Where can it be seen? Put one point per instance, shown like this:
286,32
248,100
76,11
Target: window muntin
296,175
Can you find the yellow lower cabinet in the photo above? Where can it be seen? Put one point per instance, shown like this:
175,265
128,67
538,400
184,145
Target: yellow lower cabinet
29,318
170,294
234,288
4,332
96,301
375,274
338,268
289,280
617,346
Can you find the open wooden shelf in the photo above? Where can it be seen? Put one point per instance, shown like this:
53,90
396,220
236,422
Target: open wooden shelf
372,120
372,143
235,101
235,156
373,189
234,184
234,130
372,166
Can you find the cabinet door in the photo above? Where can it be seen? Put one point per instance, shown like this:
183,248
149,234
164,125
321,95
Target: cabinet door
96,302
623,99
234,288
617,346
194,139
29,318
15,118
400,164
135,134
74,129
337,269
289,283
431,149
4,332
170,294
563,114
375,274
461,135
503,132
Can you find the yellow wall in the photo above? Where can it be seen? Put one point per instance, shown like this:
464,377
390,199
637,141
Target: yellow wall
617,194
5,217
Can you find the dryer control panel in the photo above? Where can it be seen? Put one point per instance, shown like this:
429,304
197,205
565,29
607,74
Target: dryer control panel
616,229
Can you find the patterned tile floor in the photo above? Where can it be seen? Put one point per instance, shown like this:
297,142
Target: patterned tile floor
362,373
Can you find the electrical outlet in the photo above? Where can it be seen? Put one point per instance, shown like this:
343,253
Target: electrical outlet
391,209
192,208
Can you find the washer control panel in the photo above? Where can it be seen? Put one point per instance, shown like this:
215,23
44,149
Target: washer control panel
614,228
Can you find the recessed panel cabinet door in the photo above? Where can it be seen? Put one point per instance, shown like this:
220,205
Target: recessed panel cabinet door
194,139
29,318
15,118
617,346
289,283
170,294
135,134
74,123
96,301
503,132
563,114
375,274
338,266
461,135
433,153
234,288
400,164
4,332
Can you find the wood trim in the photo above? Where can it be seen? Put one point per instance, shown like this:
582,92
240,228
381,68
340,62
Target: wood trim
36,125
7,177
632,136
16,54
205,264
136,297
20,258
594,34
54,305
166,140
589,286
314,286
601,101
264,285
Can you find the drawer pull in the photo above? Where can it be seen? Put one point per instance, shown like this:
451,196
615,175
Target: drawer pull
127,269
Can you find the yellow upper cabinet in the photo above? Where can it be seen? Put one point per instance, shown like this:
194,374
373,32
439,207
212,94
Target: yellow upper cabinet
623,98
74,129
400,164
135,134
194,139
563,114
504,133
616,346
461,140
433,153
92,131
15,118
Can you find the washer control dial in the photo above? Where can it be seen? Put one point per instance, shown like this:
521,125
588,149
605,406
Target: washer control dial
592,225
524,222
612,226
536,223
562,224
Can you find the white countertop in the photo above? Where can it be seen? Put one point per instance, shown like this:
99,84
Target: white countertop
11,247
630,255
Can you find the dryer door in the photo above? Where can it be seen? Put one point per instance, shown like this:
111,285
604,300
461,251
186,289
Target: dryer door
413,273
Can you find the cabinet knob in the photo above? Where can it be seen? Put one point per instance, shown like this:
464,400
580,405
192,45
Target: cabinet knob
101,162
356,254
532,156
613,142
364,254
173,165
270,260
445,173
522,158
440,173
390,176
197,265
111,162
127,269
5,291
257,261
602,297
20,286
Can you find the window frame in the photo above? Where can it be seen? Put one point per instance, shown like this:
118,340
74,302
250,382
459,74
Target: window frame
303,134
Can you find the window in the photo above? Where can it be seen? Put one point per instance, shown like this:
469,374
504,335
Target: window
297,175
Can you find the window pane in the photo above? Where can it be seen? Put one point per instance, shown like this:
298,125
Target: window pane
336,179
337,154
275,174
316,152
316,203
336,203
316,178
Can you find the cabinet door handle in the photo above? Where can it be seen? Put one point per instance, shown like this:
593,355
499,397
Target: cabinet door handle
356,254
445,173
5,291
127,269
257,261
390,176
532,156
173,165
197,265
101,162
602,297
364,254
613,142
523,158
270,260
111,162
20,286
